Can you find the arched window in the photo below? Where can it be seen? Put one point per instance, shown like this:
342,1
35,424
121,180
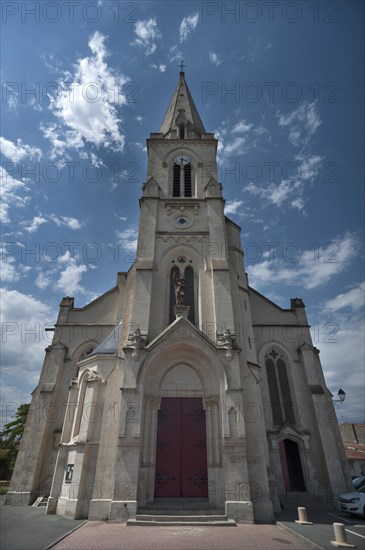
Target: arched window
281,403
182,132
86,353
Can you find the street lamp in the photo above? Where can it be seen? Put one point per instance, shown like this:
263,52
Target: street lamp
341,396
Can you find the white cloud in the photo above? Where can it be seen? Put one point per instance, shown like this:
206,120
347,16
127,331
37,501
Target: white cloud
86,104
340,339
23,342
34,224
243,137
18,151
215,58
10,189
231,207
147,33
174,53
187,25
302,123
161,67
128,242
235,147
11,96
61,140
129,234
306,268
69,280
353,299
10,272
71,223
290,191
43,281
141,146
65,274
139,119
241,127
277,195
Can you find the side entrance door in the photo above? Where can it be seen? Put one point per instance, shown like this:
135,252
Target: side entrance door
291,466
181,451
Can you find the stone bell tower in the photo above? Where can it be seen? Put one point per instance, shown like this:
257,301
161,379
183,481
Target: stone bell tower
204,342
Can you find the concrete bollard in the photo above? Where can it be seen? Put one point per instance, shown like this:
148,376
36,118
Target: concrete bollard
302,515
340,536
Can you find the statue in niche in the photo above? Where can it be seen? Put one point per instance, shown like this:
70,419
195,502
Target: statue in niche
179,290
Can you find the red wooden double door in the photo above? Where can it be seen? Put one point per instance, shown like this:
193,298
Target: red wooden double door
181,451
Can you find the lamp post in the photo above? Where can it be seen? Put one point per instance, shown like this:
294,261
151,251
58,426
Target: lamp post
341,396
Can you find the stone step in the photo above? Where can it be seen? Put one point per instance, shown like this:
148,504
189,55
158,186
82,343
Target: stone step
178,511
40,501
180,517
181,520
182,504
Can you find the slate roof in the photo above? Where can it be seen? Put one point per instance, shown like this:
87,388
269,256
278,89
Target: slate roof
182,99
110,345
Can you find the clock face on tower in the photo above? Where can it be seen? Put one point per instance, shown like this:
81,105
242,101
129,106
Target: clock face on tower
182,160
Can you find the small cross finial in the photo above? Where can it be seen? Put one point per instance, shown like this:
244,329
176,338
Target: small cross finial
182,67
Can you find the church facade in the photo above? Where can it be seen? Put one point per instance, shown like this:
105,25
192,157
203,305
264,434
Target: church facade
182,382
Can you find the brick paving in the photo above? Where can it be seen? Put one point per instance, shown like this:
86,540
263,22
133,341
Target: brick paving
95,535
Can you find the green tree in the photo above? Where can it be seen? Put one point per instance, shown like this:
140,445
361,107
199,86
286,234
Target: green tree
11,435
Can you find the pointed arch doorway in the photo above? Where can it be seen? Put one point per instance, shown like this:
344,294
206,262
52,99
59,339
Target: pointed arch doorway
181,449
291,466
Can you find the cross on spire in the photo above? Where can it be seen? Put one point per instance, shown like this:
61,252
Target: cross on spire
181,65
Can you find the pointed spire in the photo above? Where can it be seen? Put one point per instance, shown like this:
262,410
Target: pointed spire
182,112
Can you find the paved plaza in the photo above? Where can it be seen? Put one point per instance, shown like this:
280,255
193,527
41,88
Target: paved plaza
27,528
103,536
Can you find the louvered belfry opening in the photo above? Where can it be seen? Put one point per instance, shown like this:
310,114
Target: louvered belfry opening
187,180
176,181
182,174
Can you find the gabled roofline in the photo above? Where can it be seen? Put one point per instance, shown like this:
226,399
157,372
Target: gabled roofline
270,301
95,299
172,327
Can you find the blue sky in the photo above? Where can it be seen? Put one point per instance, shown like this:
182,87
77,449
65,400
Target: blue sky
281,85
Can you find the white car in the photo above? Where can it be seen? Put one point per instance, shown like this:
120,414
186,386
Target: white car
353,503
358,482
